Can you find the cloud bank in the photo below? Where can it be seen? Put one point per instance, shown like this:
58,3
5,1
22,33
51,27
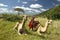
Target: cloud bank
3,5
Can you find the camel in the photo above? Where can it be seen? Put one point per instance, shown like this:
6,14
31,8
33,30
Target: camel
20,26
43,29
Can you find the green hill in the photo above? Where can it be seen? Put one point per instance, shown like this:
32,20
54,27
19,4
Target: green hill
53,13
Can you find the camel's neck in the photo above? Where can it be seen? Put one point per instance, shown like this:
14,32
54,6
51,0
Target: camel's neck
24,20
43,29
46,25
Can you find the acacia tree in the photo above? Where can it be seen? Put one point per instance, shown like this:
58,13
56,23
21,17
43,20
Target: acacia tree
19,10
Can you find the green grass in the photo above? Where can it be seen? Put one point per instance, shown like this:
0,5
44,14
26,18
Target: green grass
7,32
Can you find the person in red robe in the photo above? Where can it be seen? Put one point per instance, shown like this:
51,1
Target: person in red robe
33,23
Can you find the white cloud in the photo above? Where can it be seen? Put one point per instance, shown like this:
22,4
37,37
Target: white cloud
3,5
31,10
3,10
35,6
18,1
24,2
57,5
58,0
37,11
23,5
16,7
35,0
54,4
42,9
26,8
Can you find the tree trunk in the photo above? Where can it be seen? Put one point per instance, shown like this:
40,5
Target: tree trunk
18,13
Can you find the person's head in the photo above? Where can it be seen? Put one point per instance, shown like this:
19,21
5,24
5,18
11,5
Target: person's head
33,17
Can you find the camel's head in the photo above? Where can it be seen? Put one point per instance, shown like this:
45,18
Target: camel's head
25,17
49,21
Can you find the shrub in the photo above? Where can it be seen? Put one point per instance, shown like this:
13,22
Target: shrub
11,17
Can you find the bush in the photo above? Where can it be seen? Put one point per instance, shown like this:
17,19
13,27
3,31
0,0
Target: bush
53,16
11,17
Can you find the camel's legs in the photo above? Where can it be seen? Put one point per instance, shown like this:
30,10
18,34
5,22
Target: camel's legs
19,32
38,31
16,26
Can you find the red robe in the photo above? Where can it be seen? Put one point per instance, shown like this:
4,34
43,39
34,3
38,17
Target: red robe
33,23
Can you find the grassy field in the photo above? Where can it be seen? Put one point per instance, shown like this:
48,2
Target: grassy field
7,32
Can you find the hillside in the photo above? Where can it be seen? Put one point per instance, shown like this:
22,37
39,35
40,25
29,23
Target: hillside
53,13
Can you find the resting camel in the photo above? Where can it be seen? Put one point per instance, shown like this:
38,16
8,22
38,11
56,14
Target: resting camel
20,26
43,29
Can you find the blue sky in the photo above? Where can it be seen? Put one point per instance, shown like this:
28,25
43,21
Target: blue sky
30,6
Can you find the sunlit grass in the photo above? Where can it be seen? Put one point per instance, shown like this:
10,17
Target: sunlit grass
7,32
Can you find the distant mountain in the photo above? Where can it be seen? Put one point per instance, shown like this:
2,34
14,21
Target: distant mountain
53,13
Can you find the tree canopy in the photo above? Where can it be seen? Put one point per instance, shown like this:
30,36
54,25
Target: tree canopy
19,10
